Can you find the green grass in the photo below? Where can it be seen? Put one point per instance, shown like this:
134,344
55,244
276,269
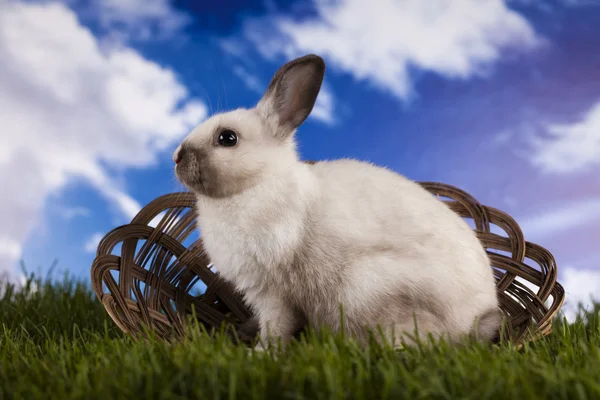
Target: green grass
59,343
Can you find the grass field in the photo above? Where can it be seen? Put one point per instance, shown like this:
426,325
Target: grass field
59,343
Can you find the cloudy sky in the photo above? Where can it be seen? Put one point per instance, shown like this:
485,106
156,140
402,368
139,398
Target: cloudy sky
501,98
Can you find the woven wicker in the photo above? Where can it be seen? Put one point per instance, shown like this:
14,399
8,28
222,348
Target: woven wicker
145,276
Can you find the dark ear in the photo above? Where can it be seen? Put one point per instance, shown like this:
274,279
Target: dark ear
292,93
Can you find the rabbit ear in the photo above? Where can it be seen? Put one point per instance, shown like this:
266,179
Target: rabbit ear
292,93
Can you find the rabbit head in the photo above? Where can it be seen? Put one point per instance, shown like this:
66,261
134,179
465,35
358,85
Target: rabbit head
234,151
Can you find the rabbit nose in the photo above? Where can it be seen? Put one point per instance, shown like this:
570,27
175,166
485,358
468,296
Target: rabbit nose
179,154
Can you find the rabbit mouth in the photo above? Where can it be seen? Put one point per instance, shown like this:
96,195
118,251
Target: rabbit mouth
191,177
198,175
188,172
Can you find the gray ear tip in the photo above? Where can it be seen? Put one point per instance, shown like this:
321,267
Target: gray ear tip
318,61
316,58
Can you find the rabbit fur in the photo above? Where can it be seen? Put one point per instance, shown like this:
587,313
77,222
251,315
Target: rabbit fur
302,240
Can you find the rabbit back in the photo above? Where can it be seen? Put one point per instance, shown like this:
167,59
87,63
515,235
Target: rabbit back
350,233
393,249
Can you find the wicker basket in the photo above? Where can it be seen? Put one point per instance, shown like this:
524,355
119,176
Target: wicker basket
145,276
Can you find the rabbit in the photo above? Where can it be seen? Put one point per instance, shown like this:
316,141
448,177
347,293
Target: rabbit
308,243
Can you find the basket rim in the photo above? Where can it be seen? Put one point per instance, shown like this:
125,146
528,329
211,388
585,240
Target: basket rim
539,317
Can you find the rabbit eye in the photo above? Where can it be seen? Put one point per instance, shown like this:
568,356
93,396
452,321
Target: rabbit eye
227,138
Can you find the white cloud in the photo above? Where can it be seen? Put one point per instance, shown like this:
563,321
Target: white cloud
154,222
502,138
532,287
541,5
73,212
581,286
18,283
251,81
138,19
380,42
33,286
580,3
569,148
324,107
9,248
125,204
234,47
569,216
71,105
92,243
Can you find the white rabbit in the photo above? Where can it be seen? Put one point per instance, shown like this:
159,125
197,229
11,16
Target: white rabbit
300,240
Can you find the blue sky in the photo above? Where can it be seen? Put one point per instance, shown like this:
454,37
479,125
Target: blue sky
501,98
